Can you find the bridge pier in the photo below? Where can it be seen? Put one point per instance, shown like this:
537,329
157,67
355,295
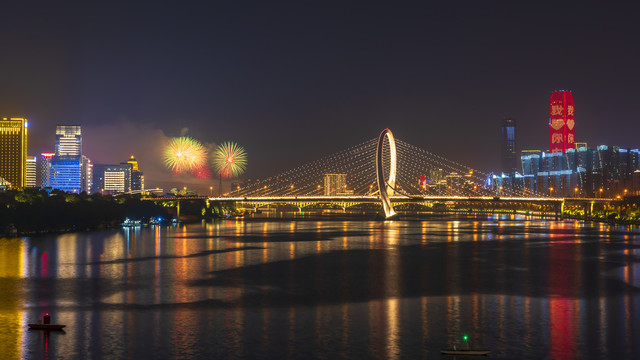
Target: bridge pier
558,210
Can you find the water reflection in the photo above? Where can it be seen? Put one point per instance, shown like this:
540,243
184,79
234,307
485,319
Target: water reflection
283,288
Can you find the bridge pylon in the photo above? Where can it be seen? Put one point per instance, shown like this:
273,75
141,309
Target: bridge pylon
386,188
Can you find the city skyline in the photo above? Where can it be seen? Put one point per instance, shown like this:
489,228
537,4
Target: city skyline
319,179
327,75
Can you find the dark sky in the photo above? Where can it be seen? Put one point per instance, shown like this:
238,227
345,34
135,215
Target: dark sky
294,81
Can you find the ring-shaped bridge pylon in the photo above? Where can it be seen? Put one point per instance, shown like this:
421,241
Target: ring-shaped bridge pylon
386,188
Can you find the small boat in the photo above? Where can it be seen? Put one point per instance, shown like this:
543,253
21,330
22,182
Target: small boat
45,324
465,352
52,327
131,223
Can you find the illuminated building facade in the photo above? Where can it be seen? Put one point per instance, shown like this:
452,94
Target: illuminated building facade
561,122
66,173
43,169
31,171
594,172
137,177
69,169
112,179
87,174
508,155
68,140
13,151
334,184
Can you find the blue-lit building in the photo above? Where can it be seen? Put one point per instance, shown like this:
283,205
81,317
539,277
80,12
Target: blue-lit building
66,173
508,155
602,171
68,169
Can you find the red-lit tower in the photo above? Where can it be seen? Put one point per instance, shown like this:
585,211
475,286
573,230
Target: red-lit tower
561,121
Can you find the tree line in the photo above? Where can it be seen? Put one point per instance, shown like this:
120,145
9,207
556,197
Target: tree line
36,210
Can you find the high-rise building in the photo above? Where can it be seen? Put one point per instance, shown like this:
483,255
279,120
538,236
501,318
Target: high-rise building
508,146
334,184
68,140
43,169
13,151
137,177
531,161
561,121
87,174
66,173
31,171
112,179
69,169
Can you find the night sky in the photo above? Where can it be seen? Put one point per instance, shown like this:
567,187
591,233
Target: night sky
295,81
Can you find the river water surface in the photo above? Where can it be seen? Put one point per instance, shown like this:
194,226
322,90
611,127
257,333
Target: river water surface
326,288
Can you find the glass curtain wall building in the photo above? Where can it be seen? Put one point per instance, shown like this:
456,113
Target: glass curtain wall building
69,169
508,156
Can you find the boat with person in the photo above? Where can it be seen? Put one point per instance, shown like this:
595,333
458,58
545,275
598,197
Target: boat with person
45,324
465,352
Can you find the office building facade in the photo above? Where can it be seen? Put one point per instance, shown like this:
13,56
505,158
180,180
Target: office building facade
13,151
66,173
137,177
112,178
335,184
68,140
31,171
43,169
508,155
69,169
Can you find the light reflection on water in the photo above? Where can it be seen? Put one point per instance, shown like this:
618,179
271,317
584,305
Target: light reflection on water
332,288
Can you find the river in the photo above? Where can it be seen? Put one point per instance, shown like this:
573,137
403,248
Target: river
327,288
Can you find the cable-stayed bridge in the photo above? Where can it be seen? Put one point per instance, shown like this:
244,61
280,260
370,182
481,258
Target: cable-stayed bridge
385,171
418,172
388,174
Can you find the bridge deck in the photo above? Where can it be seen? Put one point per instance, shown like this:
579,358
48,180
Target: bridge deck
373,198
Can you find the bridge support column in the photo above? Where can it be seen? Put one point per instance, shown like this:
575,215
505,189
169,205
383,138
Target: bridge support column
587,210
559,209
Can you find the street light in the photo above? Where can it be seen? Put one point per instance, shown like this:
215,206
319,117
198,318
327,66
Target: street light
551,191
576,190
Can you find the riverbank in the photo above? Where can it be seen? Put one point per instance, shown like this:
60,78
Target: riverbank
37,211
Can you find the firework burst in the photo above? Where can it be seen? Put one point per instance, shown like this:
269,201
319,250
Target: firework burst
184,155
230,160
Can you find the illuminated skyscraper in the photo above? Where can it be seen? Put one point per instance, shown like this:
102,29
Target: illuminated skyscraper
508,146
112,179
69,169
87,174
561,121
334,184
31,171
137,177
68,140
43,169
13,151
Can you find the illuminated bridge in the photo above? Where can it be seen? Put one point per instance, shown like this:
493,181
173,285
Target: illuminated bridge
390,173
